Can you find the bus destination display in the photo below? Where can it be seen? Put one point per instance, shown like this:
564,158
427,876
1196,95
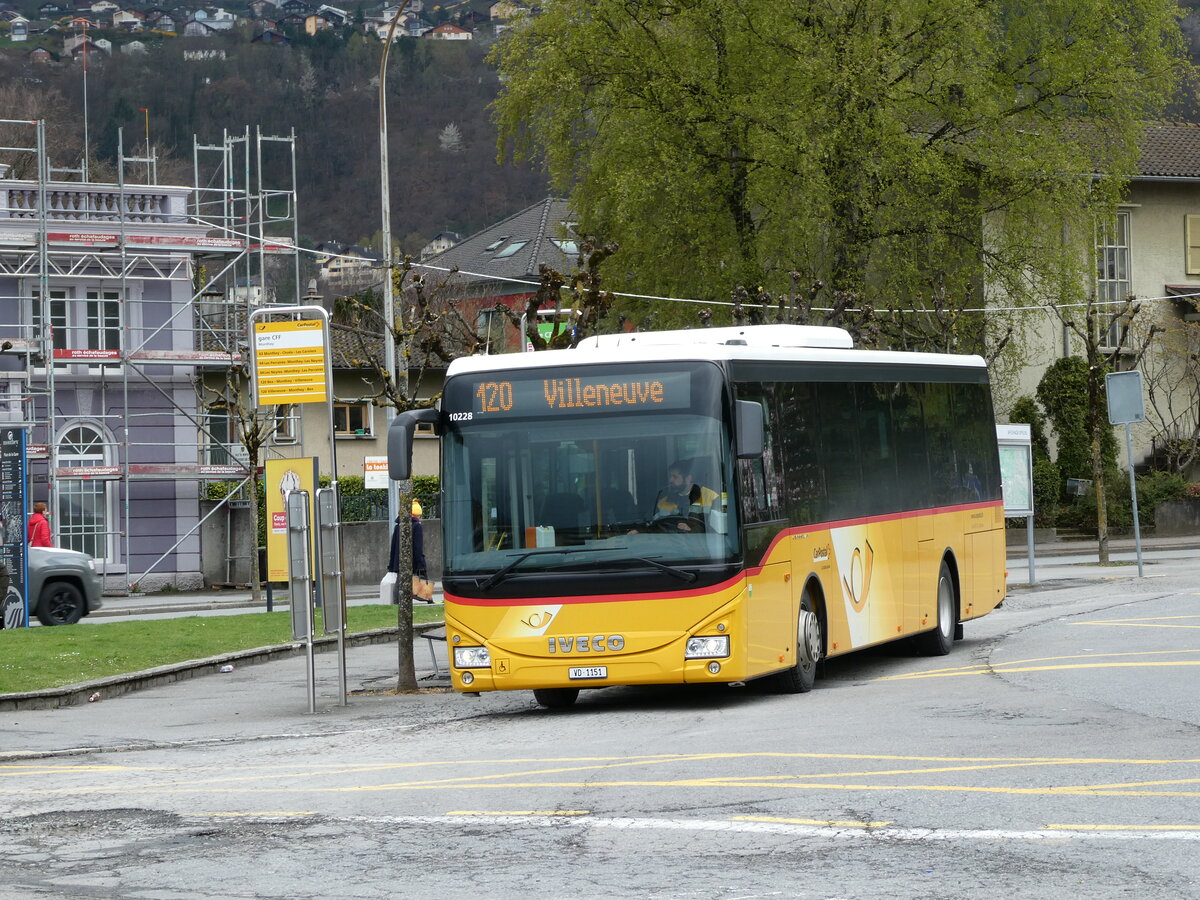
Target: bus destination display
575,394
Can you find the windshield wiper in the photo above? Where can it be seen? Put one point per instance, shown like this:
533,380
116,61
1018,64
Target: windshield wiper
500,575
681,574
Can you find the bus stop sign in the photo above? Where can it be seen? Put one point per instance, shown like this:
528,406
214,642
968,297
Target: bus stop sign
1125,404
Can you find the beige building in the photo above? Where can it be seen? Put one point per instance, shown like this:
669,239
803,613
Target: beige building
1152,254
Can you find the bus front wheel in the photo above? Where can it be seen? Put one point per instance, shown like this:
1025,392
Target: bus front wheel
810,641
555,698
939,641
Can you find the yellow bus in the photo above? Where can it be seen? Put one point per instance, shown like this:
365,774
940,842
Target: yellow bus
708,506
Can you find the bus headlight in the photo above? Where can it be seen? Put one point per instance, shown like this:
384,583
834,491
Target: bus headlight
472,658
707,647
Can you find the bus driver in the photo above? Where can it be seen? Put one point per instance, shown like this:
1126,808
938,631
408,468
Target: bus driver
682,497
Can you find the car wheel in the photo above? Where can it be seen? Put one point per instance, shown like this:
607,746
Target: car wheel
60,604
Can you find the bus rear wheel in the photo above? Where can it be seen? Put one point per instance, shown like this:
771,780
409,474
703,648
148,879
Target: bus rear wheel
810,642
939,641
555,698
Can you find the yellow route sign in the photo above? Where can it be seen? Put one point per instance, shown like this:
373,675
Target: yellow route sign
290,362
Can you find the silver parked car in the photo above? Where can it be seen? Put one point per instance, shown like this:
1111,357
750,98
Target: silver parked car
63,585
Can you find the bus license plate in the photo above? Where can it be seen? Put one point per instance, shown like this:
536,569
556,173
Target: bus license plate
577,672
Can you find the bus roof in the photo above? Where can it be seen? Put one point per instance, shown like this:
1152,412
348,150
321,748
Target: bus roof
791,343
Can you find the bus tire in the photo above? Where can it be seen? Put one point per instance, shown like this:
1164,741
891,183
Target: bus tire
555,698
810,641
939,641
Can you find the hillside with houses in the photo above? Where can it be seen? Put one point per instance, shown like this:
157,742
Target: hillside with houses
168,76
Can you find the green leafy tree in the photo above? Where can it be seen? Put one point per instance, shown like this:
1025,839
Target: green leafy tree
890,152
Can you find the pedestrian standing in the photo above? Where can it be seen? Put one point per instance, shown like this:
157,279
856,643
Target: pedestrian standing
39,527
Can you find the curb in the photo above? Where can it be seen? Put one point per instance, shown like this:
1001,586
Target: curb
116,685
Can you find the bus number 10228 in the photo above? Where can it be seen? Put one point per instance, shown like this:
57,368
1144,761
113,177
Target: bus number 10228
495,396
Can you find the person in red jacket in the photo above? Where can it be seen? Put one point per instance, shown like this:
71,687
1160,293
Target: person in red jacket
39,527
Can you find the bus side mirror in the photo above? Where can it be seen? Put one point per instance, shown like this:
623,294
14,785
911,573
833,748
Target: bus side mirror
400,438
749,429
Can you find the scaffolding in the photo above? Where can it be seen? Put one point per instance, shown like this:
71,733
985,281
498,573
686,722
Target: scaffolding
123,300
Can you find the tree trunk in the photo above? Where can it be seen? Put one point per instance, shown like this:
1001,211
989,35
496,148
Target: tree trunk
402,597
255,572
1101,500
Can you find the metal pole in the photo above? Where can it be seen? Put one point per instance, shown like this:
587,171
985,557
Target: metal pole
1029,547
389,302
1137,529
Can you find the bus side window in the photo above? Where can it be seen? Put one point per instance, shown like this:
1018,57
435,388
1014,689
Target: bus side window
944,478
912,458
799,431
977,440
759,479
876,447
839,450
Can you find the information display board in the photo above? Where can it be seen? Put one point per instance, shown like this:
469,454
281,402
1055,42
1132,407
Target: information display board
290,362
14,514
1015,443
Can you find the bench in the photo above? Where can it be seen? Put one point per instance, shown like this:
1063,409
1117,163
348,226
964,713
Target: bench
432,636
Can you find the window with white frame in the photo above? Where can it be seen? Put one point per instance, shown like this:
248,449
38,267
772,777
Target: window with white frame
287,428
1113,281
217,437
85,505
103,320
352,419
50,317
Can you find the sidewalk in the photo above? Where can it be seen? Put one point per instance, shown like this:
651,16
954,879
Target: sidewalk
225,600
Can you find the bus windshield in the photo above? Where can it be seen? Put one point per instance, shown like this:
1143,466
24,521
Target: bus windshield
612,490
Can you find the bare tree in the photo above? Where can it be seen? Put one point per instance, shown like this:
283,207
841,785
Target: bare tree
1105,334
252,427
430,329
1172,378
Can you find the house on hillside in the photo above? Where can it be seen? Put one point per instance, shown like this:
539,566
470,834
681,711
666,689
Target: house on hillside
270,36
134,48
346,267
260,9
499,265
441,242
18,29
317,22
129,19
51,9
41,55
221,19
448,32
198,29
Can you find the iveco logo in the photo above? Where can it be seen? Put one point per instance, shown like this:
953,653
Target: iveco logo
597,644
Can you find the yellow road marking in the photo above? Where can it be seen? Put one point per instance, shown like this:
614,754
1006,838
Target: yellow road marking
827,823
986,668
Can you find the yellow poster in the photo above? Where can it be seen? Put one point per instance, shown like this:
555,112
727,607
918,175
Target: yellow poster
283,475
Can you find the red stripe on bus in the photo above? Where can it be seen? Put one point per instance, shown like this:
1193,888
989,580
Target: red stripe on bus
599,598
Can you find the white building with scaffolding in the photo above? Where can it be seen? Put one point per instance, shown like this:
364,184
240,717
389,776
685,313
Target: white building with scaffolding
117,302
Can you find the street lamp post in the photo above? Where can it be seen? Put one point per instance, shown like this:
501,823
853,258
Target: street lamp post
407,676
389,304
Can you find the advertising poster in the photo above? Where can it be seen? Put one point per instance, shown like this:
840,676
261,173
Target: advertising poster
14,513
283,475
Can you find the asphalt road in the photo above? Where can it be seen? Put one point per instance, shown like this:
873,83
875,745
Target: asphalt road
1053,754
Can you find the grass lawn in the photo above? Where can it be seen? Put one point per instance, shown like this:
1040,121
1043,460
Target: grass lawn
36,658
